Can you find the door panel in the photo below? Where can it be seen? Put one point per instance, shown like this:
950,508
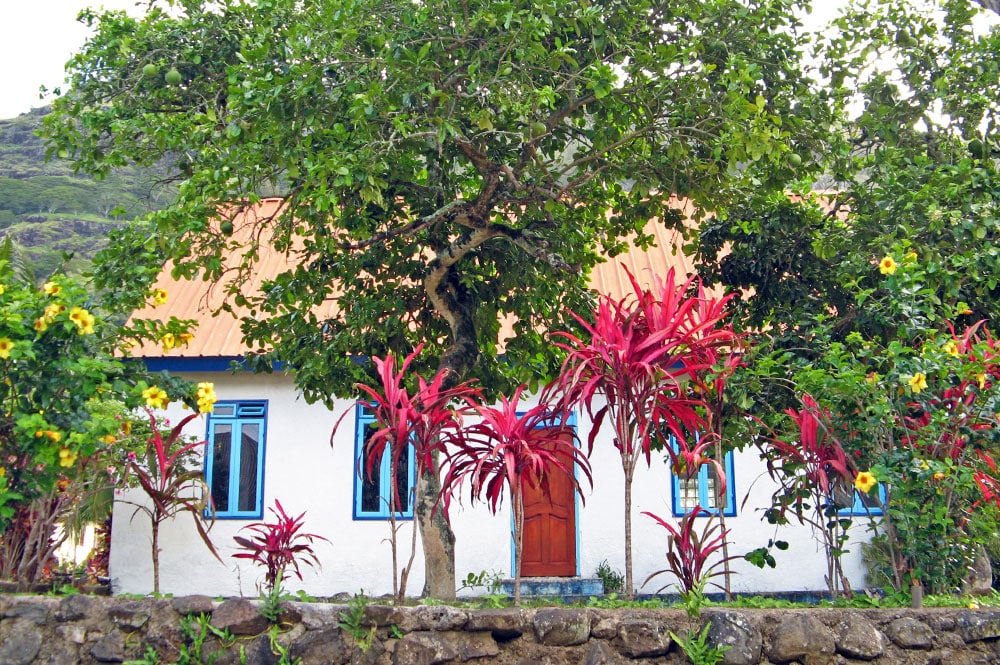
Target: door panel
549,547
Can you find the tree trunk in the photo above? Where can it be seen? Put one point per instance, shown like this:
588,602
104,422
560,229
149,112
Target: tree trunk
451,301
629,586
156,551
437,538
518,506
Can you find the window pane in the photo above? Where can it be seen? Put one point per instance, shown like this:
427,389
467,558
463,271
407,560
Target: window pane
221,444
249,447
403,480
689,493
370,483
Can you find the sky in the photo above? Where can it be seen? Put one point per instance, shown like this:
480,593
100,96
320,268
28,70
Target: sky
36,40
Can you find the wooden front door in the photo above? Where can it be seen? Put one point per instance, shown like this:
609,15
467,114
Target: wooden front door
550,528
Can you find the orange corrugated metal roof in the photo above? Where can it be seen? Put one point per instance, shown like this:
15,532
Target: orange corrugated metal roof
219,335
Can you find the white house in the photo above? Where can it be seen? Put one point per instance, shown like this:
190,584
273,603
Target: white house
284,453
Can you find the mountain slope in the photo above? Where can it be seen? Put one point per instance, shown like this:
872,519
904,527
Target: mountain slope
53,212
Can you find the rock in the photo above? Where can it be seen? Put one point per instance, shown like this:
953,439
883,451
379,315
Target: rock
505,624
21,643
240,617
950,657
35,610
979,581
440,617
316,616
475,645
130,615
804,638
981,625
642,638
858,638
110,648
606,628
289,614
424,648
734,630
910,633
598,653
258,652
562,627
196,604
73,607
74,634
320,647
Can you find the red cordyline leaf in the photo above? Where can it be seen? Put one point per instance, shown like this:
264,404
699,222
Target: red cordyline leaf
427,419
638,354
278,546
817,452
169,485
508,451
688,552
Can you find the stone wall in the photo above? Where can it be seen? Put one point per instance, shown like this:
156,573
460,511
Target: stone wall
89,629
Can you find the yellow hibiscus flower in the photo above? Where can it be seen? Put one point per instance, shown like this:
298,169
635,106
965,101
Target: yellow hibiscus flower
156,398
67,457
864,481
206,397
159,297
6,346
918,382
887,265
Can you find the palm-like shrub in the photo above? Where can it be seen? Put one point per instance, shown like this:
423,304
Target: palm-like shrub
505,452
635,366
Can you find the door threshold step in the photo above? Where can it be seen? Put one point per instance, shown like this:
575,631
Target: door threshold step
561,587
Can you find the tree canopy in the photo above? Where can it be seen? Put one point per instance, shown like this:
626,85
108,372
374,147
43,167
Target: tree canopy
446,164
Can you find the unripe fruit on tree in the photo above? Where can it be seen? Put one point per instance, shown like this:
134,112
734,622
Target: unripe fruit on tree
150,70
226,228
794,159
173,77
978,149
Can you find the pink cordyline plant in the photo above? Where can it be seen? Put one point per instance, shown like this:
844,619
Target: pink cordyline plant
425,419
645,356
689,552
814,468
278,546
171,486
507,451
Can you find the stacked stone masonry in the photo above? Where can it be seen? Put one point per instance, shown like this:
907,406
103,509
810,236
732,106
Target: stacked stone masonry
73,629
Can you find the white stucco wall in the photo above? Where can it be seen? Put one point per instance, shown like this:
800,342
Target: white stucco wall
306,473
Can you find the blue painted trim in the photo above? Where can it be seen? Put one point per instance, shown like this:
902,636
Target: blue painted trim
235,451
201,364
859,509
675,488
363,417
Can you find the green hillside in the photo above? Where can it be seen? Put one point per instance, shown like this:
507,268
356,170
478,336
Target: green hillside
51,211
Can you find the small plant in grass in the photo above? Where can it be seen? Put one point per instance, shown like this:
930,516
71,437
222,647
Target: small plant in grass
697,649
279,547
614,581
352,621
689,553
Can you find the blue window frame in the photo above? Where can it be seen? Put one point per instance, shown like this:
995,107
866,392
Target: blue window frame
372,492
865,504
234,461
701,491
